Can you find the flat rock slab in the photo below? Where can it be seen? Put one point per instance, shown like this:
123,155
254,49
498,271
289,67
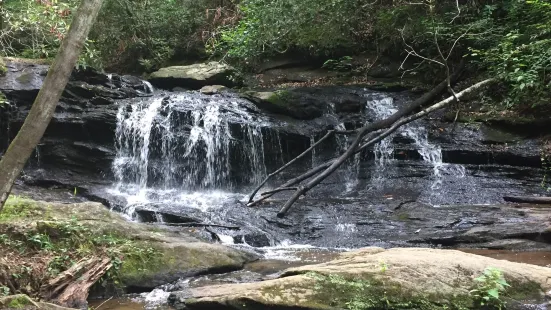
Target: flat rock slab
194,76
437,277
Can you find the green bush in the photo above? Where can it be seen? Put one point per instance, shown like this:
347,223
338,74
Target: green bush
522,57
144,35
269,27
128,36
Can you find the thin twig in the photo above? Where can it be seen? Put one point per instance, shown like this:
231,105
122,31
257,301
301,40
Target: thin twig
202,225
308,150
106,301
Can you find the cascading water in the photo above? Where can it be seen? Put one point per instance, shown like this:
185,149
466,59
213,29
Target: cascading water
170,147
384,150
351,169
430,153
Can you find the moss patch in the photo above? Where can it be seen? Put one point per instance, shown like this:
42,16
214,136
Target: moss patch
404,217
281,98
43,240
19,301
366,293
523,291
3,68
20,208
16,302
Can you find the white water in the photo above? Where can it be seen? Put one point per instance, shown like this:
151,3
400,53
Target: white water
183,151
430,153
384,150
150,89
154,299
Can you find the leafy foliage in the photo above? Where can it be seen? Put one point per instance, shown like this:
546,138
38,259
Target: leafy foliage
269,27
35,29
146,34
522,57
488,288
128,35
341,64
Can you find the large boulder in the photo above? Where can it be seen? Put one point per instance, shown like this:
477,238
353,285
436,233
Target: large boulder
195,76
374,278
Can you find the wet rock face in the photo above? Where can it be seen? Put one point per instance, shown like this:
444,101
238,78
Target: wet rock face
79,139
309,103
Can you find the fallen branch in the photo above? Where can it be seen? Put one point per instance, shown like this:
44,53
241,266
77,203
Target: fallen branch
277,190
70,288
528,199
362,132
293,181
394,122
308,150
202,225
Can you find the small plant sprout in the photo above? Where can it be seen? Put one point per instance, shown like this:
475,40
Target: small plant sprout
383,265
488,288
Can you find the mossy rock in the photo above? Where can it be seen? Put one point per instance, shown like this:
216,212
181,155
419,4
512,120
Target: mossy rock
286,102
161,255
510,122
3,68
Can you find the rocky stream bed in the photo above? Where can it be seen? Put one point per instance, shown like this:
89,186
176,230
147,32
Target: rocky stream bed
187,159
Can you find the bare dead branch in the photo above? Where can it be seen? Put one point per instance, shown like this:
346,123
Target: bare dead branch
281,189
202,225
352,149
458,11
294,181
327,136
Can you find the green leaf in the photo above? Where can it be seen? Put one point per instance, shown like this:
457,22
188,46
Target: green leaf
494,293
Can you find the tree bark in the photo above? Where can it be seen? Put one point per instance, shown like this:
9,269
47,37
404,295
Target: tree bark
70,289
43,108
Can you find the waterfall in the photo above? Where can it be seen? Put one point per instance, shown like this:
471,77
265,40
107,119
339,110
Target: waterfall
384,150
430,153
187,142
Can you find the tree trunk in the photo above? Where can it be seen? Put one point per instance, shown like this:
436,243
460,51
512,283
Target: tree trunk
45,103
